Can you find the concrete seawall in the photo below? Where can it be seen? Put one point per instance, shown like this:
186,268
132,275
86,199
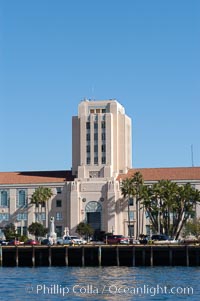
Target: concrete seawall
105,255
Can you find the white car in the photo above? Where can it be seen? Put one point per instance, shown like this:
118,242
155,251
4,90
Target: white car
70,240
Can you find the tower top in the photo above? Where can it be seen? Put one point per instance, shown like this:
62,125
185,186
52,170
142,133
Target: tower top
101,139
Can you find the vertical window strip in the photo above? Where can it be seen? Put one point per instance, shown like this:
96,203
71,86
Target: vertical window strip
21,197
4,198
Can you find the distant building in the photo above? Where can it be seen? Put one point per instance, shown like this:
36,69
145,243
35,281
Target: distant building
90,192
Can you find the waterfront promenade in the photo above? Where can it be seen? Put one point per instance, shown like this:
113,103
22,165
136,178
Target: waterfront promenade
104,255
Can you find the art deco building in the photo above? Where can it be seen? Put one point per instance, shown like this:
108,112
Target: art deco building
90,192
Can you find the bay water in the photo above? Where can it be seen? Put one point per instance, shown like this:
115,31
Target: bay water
99,283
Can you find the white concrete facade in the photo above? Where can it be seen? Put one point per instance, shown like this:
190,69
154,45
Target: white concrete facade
101,156
102,140
102,149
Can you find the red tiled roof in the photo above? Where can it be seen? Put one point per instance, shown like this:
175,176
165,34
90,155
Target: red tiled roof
149,174
35,177
173,173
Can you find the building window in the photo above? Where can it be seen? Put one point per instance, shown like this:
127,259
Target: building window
148,230
103,160
22,230
103,125
21,198
96,148
4,217
87,125
40,217
131,215
59,231
131,230
88,160
58,216
92,111
58,203
4,198
95,136
95,125
103,148
103,136
88,137
88,148
103,110
95,160
131,202
19,230
58,190
22,216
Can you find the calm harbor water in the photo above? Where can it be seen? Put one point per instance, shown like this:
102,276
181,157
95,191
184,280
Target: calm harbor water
105,283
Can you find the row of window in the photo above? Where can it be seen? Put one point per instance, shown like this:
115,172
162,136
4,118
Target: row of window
103,136
88,125
103,148
22,199
41,216
24,216
98,111
96,160
21,194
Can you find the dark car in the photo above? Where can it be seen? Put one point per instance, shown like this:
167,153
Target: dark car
32,242
159,237
116,239
45,242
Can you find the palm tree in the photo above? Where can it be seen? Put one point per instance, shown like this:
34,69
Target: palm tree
138,192
169,206
41,196
127,190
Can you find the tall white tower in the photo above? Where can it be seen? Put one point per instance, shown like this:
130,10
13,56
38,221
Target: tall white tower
101,140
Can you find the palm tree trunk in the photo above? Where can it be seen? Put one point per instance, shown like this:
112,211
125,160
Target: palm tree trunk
142,230
129,223
136,218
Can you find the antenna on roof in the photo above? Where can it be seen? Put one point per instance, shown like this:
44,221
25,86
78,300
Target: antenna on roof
192,156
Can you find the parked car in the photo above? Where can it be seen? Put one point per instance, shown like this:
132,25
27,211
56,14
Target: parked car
116,239
3,242
32,242
70,240
159,237
163,239
14,242
45,242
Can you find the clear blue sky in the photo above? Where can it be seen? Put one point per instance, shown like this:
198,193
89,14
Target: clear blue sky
146,54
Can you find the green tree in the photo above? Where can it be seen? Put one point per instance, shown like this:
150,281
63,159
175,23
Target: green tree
192,227
170,205
138,193
128,191
84,229
130,188
10,231
41,196
37,229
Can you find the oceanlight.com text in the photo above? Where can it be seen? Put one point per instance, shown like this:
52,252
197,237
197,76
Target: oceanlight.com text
90,289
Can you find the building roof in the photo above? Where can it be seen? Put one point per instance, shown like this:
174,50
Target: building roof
149,174
35,177
171,173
